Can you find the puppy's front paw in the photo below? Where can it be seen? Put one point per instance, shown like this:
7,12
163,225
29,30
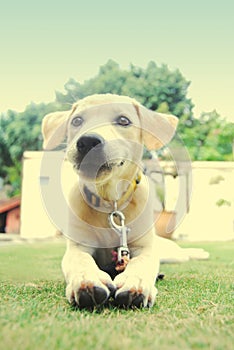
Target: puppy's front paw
133,291
87,290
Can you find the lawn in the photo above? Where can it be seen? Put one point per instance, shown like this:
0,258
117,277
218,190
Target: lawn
194,308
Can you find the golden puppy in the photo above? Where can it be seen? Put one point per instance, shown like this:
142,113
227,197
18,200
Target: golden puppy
111,204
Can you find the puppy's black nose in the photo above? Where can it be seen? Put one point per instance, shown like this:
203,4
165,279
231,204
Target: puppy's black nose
88,142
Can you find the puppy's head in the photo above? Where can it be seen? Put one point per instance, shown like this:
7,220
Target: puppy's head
106,134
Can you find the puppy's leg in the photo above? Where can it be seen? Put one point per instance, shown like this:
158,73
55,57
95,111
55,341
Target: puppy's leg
136,285
87,285
171,252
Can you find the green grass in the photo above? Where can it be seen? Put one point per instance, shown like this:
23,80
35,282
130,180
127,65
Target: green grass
194,308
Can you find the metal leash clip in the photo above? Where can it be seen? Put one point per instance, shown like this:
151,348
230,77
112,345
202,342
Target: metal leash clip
122,231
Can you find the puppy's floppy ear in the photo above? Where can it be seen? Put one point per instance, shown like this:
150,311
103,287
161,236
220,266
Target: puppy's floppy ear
54,127
158,129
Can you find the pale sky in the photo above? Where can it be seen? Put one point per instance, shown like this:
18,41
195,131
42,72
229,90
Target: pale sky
44,43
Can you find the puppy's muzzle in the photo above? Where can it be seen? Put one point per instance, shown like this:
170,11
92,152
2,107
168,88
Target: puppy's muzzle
91,158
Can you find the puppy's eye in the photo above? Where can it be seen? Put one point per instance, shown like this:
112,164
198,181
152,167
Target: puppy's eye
123,121
77,121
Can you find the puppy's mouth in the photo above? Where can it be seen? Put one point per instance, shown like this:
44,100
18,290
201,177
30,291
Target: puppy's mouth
107,167
96,171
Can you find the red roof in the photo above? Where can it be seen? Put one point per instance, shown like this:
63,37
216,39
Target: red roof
8,204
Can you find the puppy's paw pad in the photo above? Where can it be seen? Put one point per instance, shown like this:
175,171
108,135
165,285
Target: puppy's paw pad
99,295
129,299
85,300
138,301
88,298
122,299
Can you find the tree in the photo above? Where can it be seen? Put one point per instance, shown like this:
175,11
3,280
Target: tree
208,138
73,93
20,132
158,88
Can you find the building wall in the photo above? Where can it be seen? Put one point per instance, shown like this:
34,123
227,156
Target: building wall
211,184
211,212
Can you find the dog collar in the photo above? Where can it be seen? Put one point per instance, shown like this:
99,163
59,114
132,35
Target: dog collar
96,201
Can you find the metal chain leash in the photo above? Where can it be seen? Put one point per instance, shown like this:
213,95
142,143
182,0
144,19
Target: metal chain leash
122,230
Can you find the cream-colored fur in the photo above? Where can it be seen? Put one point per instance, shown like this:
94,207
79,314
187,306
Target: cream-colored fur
90,236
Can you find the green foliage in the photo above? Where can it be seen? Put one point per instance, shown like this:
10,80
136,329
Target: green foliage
20,132
215,180
208,138
13,177
155,87
222,202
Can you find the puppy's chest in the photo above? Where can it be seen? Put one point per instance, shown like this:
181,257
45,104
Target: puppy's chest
90,226
103,257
